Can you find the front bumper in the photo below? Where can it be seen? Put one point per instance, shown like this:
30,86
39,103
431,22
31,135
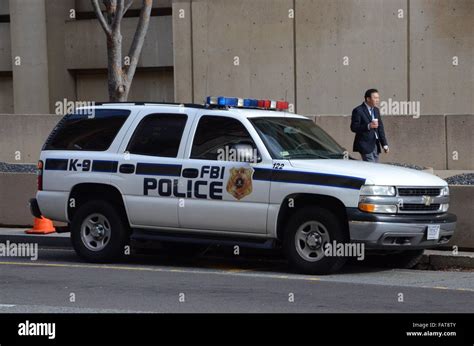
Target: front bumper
386,231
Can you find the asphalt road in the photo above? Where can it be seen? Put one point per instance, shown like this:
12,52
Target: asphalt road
59,282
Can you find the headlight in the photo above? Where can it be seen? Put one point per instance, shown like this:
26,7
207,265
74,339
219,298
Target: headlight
444,207
377,190
445,191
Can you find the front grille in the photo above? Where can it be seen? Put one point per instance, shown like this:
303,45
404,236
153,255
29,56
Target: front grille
419,191
419,207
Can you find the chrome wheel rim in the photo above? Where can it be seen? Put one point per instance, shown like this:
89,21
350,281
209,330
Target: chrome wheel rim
310,239
95,232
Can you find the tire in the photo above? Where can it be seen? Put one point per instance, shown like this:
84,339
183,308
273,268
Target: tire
111,235
404,260
321,223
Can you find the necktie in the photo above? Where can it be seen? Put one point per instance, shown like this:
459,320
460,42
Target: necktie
373,117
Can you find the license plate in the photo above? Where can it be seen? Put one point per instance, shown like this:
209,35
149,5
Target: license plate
433,232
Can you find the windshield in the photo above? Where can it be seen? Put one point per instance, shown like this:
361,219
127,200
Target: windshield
296,138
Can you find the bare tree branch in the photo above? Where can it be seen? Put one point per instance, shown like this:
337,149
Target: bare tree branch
110,9
129,3
120,72
139,37
100,17
119,12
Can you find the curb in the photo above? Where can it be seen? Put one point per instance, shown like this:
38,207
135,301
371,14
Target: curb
436,259
19,236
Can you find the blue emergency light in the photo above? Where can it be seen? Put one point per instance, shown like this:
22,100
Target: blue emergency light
221,101
227,101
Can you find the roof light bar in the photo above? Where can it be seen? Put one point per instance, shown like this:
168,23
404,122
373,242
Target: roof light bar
222,101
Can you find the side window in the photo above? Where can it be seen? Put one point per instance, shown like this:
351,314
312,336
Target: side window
158,135
79,131
216,135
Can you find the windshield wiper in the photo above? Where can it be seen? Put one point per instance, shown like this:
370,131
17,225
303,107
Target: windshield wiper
336,155
307,156
312,156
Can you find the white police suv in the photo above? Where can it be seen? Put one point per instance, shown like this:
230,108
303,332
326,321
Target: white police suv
233,171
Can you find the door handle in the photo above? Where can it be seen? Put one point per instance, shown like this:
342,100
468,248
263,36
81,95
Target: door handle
190,173
127,169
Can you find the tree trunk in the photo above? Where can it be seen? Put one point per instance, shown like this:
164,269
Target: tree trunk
120,75
118,92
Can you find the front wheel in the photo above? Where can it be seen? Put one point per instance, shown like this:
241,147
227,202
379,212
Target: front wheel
306,235
98,232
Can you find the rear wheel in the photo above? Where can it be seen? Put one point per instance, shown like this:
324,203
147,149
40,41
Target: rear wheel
98,232
306,235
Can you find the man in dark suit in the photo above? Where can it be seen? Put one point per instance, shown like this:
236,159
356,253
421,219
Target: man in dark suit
367,124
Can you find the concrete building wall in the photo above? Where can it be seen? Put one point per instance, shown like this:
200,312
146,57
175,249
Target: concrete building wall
29,46
85,43
442,31
54,48
320,54
182,57
16,190
460,141
417,141
242,48
6,78
22,136
438,141
61,81
346,47
5,48
147,85
329,54
461,205
6,94
85,5
4,7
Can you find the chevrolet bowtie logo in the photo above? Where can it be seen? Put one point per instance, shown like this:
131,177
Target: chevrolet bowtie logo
427,200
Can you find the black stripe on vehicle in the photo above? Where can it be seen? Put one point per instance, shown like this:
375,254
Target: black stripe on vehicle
309,178
158,169
262,174
104,166
56,164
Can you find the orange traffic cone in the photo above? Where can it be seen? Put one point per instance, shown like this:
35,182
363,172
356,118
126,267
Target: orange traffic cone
42,226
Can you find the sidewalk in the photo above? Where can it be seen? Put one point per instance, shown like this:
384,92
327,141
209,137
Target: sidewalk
18,235
434,259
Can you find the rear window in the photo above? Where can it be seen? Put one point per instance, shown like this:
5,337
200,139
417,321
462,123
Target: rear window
86,132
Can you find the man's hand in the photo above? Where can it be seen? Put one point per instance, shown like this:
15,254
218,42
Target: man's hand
373,125
386,149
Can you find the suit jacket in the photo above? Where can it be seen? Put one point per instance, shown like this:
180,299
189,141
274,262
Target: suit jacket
365,140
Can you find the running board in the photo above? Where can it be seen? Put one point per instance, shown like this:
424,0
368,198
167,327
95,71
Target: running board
62,229
256,243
